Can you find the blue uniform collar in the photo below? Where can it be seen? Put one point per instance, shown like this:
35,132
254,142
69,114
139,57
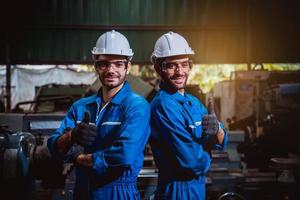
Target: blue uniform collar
175,95
120,96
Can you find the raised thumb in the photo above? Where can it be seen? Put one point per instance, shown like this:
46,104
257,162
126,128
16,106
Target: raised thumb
86,118
210,106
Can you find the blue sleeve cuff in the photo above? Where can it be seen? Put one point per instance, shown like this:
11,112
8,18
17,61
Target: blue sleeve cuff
99,164
73,152
51,144
225,140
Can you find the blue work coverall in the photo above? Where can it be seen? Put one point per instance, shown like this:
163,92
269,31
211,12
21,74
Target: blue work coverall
122,133
177,143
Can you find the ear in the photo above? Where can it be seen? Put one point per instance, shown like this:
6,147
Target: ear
128,67
157,68
96,70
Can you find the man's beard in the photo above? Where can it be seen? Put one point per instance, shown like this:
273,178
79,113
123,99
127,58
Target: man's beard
172,86
112,85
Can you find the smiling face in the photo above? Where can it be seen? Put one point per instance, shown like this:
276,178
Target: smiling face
112,70
174,72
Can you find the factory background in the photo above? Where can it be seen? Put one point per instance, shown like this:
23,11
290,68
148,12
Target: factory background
247,58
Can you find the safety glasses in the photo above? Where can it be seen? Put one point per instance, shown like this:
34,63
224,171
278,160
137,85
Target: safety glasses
172,66
119,65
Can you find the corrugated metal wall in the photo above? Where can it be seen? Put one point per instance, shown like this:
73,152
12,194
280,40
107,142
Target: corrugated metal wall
223,31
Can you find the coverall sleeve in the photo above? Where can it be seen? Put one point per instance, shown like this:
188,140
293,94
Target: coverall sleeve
129,143
225,140
68,122
176,140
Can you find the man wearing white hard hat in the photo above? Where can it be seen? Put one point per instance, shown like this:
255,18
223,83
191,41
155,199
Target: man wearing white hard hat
180,124
104,135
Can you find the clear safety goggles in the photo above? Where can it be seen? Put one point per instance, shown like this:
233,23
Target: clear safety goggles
172,66
119,65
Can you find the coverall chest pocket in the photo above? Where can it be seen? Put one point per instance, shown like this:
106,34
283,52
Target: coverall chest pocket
111,122
198,128
197,123
110,126
194,120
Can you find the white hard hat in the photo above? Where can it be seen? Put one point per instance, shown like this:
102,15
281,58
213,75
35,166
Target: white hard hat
112,43
170,44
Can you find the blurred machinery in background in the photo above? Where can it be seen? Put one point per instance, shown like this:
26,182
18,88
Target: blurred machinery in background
266,105
277,133
53,98
27,170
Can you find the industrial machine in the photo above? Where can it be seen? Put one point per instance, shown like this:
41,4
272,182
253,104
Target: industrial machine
52,98
27,170
266,105
272,126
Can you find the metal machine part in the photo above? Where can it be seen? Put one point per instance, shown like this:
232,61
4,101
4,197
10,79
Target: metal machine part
14,163
231,196
24,159
15,152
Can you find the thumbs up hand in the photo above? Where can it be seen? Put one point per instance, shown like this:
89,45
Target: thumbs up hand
210,122
84,134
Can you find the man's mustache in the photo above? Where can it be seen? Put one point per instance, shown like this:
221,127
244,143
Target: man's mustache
111,75
177,77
